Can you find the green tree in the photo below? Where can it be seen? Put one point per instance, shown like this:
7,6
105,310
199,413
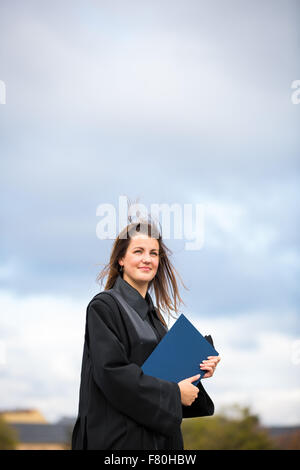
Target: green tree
234,428
8,436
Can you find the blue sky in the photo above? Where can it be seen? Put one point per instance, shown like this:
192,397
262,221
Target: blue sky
185,102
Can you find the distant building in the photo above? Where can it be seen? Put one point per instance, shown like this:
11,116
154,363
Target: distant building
35,433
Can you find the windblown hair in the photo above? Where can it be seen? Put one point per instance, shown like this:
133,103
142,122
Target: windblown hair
164,283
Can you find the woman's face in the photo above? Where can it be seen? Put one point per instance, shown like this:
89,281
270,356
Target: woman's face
142,252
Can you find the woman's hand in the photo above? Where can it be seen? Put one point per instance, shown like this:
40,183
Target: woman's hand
210,365
188,391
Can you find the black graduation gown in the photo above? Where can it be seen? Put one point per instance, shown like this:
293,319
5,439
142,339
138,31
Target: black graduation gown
120,407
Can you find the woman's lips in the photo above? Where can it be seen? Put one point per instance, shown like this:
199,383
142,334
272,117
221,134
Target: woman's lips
145,269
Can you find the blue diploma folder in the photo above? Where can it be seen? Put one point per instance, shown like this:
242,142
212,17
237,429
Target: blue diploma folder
179,353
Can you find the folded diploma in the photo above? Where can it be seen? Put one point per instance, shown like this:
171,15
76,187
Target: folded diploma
179,353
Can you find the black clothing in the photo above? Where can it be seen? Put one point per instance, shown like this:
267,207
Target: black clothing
120,407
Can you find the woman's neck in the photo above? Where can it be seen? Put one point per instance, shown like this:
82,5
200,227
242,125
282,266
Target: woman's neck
141,287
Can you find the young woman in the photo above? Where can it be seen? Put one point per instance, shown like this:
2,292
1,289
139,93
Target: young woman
120,407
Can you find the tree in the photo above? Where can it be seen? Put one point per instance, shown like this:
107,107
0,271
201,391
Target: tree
235,428
8,436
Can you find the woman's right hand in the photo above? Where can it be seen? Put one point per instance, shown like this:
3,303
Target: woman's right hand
188,391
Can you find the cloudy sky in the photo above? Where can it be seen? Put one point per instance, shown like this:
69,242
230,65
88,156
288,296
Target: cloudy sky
172,102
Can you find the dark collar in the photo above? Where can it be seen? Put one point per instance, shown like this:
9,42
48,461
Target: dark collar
140,304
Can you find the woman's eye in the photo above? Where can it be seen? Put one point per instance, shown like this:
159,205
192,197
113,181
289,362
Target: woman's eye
139,251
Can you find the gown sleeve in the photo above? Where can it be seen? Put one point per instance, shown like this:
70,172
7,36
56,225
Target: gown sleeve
202,406
151,402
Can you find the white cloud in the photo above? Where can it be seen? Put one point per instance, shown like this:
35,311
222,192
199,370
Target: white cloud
43,339
257,367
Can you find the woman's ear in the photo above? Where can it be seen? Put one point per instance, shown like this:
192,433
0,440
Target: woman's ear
120,265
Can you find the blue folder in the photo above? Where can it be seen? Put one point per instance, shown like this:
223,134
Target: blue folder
179,353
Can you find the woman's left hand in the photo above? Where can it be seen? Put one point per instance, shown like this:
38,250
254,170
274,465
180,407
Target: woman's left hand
210,365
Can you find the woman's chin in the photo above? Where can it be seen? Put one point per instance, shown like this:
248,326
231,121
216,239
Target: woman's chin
145,275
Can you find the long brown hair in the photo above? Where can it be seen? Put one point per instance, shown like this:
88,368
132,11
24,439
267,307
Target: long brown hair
164,283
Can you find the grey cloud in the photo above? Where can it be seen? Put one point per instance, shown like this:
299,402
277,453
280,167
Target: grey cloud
97,108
